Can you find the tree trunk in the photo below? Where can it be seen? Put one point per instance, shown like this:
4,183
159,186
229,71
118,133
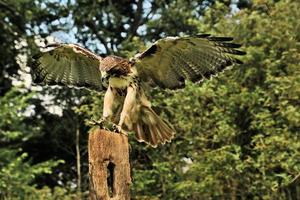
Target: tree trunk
109,168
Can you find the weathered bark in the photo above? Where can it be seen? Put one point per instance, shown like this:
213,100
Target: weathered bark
109,168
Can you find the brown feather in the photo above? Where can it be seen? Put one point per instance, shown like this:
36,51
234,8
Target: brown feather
115,65
151,129
172,60
67,64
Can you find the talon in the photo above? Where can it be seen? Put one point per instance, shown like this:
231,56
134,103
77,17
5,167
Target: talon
100,122
92,122
118,129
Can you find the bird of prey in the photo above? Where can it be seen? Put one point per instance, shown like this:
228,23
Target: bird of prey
168,63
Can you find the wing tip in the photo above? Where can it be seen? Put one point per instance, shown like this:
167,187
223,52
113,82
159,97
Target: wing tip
220,39
213,38
242,53
238,61
228,45
37,79
237,52
55,45
202,35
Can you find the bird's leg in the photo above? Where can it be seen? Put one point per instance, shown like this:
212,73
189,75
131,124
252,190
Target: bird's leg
108,104
129,102
107,108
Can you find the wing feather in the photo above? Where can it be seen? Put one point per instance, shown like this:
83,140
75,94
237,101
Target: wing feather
172,60
67,64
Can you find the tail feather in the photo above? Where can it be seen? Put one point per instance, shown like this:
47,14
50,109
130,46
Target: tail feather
166,131
151,129
148,137
155,131
154,135
139,132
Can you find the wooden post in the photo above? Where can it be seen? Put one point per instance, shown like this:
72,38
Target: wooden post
109,168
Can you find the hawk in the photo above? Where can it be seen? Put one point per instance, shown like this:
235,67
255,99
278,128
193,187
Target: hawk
168,63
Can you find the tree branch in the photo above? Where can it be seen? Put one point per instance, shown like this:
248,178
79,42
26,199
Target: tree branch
137,18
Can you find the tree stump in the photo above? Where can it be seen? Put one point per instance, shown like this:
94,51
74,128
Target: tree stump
109,168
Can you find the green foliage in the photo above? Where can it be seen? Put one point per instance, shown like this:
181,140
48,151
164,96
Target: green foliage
12,106
17,175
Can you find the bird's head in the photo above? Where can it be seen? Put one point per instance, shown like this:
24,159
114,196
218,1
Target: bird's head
113,66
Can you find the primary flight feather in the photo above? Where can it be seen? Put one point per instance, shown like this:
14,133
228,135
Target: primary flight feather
168,63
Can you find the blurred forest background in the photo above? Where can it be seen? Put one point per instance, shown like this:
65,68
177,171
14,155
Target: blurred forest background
238,135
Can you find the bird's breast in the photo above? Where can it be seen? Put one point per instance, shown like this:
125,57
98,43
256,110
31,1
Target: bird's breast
119,82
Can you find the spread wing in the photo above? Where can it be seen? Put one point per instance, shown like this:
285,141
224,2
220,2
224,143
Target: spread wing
67,64
172,60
